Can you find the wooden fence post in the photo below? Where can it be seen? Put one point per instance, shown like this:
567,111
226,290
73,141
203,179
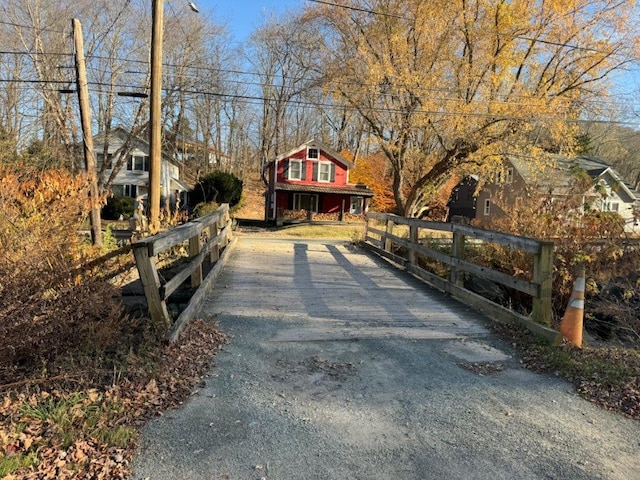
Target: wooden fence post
413,239
151,284
215,250
366,228
542,275
388,231
194,251
226,223
457,251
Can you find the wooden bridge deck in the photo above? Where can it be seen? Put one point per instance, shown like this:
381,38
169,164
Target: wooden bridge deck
329,290
339,367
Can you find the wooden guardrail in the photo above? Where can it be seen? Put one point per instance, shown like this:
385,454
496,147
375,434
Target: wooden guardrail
207,237
382,240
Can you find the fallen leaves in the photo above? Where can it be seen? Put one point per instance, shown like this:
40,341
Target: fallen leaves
92,432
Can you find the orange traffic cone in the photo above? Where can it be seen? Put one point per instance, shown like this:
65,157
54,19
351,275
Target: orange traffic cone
572,320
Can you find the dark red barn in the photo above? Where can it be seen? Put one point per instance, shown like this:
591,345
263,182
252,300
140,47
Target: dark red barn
312,180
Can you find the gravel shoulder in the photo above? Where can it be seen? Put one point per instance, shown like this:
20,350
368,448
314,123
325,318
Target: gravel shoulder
307,389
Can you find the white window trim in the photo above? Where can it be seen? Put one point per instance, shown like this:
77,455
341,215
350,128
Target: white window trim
291,162
313,158
487,207
610,206
357,201
328,164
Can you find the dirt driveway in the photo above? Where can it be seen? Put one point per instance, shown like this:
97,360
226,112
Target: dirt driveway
338,368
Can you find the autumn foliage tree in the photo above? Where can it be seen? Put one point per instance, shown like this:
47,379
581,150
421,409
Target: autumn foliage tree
449,86
373,171
48,307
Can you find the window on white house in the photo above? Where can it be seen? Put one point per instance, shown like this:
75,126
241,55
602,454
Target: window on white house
487,207
324,172
305,201
498,177
355,206
138,163
611,206
100,160
131,191
313,153
295,170
125,190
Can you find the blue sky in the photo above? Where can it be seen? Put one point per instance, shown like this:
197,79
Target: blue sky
244,16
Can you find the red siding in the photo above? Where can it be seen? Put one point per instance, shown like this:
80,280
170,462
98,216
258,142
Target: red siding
340,172
333,203
282,200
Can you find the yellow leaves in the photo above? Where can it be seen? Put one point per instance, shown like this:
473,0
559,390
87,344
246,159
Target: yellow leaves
373,172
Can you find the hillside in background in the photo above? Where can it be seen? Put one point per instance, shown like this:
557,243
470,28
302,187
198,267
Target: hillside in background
252,204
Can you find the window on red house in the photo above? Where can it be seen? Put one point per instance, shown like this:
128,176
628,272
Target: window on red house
295,170
313,153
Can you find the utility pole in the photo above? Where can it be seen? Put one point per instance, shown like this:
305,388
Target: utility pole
155,112
87,137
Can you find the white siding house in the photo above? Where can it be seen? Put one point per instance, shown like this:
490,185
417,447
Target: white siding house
132,180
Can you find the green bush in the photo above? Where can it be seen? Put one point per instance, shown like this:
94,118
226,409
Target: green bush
117,206
219,187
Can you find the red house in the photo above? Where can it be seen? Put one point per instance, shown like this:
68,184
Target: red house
312,180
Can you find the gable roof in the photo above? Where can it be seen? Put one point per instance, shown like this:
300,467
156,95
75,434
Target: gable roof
557,173
314,144
123,134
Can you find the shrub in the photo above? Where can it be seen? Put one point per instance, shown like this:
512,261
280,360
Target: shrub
48,305
117,206
595,239
219,187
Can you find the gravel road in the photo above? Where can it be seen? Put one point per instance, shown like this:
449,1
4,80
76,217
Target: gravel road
306,389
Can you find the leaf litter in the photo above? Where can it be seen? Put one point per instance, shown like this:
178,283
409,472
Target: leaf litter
66,430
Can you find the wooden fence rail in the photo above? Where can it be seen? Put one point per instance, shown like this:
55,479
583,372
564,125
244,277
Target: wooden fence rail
381,239
207,237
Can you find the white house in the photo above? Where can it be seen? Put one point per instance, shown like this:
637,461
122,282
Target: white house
132,180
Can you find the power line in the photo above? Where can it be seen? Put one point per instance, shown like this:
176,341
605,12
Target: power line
28,52
363,10
423,90
495,103
32,27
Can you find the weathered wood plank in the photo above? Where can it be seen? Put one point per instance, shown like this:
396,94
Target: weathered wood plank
487,273
492,310
161,242
530,245
151,284
195,304
324,290
194,252
194,263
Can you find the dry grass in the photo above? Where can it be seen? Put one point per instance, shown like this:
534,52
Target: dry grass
347,231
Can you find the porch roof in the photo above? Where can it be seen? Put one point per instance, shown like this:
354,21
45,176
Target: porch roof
360,191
